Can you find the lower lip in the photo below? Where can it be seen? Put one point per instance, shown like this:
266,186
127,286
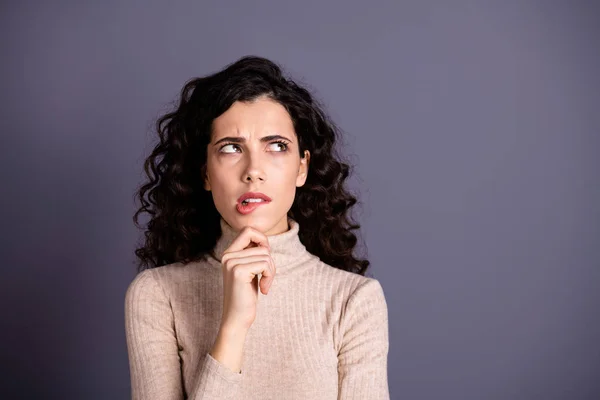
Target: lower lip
248,208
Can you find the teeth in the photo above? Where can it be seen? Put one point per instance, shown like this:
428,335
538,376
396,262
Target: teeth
252,201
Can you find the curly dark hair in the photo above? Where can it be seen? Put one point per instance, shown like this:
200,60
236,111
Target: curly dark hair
184,222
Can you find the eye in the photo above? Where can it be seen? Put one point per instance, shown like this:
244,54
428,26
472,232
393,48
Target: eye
282,143
228,144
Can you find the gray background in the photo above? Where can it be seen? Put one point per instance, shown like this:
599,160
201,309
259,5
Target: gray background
474,127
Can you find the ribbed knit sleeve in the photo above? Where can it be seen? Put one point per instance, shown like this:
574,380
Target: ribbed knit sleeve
362,358
153,352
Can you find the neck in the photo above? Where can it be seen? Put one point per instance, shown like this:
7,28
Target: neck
286,248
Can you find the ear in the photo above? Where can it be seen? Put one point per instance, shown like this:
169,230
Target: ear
206,181
303,169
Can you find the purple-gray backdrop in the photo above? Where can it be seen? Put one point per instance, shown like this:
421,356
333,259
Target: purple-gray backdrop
475,130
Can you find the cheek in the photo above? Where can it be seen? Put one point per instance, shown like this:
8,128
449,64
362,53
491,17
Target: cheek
284,174
286,185
221,184
218,172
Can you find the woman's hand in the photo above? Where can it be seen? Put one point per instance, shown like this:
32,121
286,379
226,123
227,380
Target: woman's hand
247,257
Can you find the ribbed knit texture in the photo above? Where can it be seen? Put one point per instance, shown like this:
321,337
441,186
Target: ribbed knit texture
320,333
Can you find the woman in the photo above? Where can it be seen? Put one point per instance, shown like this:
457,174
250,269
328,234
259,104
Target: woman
244,183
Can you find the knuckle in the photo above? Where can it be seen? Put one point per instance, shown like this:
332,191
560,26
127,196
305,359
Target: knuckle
228,264
236,271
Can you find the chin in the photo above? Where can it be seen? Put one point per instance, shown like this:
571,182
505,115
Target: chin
260,223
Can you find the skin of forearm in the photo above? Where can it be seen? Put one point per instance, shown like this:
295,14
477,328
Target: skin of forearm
228,347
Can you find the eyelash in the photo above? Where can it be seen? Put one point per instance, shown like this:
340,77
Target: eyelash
283,142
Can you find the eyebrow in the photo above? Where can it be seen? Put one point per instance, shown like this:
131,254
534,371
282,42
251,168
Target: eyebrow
238,139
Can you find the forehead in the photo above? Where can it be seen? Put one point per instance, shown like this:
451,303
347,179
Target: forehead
262,113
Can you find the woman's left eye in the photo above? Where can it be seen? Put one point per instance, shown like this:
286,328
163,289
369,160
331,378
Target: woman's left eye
285,145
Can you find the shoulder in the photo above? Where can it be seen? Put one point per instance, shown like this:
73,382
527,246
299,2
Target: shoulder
143,289
351,290
162,282
365,312
350,283
358,307
368,293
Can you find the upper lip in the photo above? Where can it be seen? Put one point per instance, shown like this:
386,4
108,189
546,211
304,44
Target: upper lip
253,195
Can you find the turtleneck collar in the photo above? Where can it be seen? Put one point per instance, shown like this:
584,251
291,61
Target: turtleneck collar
287,250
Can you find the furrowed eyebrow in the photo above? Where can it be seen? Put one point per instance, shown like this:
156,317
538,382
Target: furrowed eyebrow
237,139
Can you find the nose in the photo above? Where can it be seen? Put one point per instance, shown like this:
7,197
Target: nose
253,171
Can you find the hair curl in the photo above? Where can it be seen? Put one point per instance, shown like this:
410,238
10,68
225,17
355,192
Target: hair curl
184,222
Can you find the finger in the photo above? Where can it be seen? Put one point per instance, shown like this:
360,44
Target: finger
233,262
245,273
266,280
254,251
247,236
265,283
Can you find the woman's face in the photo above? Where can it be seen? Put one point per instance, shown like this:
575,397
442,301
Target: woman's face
244,156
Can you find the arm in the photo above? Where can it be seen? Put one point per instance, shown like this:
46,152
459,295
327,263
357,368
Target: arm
154,362
362,358
220,375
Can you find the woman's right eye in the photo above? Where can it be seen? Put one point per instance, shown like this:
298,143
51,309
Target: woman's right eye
224,146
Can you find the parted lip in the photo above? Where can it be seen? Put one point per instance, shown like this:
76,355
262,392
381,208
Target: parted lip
253,195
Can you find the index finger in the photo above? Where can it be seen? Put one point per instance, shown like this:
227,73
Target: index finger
247,236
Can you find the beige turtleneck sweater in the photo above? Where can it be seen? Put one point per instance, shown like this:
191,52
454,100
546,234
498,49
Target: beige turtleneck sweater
320,332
